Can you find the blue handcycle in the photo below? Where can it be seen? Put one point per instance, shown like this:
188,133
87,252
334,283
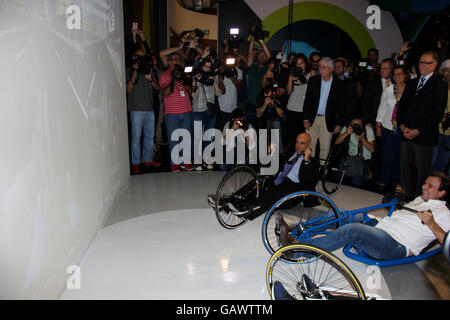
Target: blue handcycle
308,272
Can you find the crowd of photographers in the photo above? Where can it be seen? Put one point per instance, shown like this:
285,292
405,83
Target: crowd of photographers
357,102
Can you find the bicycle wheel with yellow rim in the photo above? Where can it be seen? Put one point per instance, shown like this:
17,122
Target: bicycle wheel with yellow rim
309,273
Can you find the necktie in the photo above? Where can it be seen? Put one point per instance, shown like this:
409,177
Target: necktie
422,81
287,168
388,83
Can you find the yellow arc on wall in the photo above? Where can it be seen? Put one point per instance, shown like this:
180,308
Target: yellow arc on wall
323,12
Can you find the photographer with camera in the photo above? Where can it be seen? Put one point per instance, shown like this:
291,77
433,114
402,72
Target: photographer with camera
232,82
204,109
177,104
187,47
237,129
441,152
270,111
296,89
256,68
141,81
360,140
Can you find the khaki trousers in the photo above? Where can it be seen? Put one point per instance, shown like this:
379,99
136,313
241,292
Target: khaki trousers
319,131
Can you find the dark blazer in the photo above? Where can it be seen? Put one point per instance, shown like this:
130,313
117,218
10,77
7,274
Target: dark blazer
334,113
423,111
373,91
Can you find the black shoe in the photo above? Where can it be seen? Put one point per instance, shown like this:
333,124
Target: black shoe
309,289
280,293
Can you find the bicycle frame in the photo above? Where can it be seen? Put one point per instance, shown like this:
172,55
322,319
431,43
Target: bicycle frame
310,227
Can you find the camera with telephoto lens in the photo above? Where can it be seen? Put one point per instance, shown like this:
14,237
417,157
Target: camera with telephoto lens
145,64
357,129
258,33
204,77
298,73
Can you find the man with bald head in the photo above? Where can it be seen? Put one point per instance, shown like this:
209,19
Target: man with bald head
298,173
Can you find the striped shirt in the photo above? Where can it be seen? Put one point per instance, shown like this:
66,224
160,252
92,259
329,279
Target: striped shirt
177,102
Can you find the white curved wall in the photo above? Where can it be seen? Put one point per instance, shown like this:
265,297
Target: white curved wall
63,133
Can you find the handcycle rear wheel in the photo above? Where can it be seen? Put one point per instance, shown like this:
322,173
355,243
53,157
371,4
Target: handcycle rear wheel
300,210
235,180
310,273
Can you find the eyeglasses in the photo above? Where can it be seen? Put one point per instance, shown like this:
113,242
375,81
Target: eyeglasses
315,61
425,62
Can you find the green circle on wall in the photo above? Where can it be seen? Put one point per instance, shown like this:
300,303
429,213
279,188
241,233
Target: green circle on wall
324,12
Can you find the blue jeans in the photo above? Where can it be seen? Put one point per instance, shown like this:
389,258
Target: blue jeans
390,161
441,155
374,242
142,121
207,123
177,121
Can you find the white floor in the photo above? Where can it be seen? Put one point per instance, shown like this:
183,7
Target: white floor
162,241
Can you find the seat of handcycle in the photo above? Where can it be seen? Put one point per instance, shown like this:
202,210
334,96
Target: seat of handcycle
308,202
429,251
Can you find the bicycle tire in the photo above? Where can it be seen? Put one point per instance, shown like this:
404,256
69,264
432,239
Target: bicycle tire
332,176
331,277
229,184
299,217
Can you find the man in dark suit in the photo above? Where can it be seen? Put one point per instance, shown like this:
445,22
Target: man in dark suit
323,109
298,173
419,112
373,91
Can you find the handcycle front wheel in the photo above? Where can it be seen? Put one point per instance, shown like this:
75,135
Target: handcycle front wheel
310,273
307,213
238,182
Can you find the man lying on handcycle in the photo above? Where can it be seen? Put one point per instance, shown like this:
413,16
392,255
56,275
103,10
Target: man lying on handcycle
402,234
300,172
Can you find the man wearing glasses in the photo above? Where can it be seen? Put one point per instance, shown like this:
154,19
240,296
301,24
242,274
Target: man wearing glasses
418,115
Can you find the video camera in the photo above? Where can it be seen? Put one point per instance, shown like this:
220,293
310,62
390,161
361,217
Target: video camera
258,33
230,70
233,38
182,75
363,70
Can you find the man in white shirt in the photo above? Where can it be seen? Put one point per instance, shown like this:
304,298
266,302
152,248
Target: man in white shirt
402,234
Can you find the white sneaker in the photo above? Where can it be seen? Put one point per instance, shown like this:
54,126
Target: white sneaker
209,167
199,168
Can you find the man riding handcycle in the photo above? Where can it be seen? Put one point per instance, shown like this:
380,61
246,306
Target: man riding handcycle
243,195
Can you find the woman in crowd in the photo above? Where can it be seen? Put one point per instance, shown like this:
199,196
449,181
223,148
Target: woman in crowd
386,128
296,89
